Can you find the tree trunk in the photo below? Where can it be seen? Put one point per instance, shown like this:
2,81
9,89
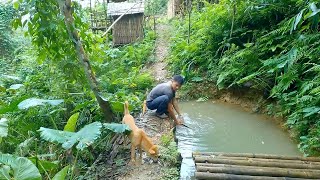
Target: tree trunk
65,8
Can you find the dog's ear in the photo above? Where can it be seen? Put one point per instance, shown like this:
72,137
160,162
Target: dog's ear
151,151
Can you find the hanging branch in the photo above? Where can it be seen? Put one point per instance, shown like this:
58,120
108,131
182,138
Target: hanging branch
65,8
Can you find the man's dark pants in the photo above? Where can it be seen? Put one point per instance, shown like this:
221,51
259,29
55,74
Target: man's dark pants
160,103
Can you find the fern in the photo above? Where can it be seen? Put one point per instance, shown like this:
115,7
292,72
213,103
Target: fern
311,111
285,81
315,91
306,87
248,78
306,98
285,61
315,68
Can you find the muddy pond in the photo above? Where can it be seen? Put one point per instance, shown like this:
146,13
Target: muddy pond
221,127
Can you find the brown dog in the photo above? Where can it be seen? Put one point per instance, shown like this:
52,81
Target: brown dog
138,137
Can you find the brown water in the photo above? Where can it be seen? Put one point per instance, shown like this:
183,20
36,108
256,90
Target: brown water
223,127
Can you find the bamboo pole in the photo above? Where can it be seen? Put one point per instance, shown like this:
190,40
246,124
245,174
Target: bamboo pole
206,175
261,159
232,165
252,155
253,162
262,171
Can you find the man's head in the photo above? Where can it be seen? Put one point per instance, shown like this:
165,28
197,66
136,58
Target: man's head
177,82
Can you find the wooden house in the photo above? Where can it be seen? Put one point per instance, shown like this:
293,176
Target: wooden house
130,26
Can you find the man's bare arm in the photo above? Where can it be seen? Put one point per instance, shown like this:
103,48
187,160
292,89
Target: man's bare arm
176,107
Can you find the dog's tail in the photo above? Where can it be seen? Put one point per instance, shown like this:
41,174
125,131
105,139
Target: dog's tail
144,107
126,108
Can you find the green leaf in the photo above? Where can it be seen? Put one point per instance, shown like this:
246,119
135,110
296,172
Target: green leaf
4,172
117,106
16,5
3,127
2,88
314,10
45,165
71,124
298,19
61,175
310,111
23,168
247,78
13,106
53,135
31,102
16,86
85,137
117,128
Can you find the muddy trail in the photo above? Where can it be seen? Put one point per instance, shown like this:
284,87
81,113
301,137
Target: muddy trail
114,164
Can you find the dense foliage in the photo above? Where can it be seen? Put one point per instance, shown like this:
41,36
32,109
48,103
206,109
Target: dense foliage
44,92
269,45
155,7
7,45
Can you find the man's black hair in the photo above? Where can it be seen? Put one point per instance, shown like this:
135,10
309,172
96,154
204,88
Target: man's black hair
179,79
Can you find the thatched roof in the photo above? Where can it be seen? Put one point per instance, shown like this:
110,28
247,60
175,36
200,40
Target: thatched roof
117,9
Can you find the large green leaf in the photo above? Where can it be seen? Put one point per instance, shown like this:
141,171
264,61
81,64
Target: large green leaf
3,127
16,86
4,172
31,102
61,175
9,77
117,128
71,124
53,135
85,137
23,168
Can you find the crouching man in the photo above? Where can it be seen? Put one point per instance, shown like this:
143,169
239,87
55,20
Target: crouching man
162,98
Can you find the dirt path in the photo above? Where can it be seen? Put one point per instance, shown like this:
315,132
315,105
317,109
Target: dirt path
114,164
154,126
158,69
